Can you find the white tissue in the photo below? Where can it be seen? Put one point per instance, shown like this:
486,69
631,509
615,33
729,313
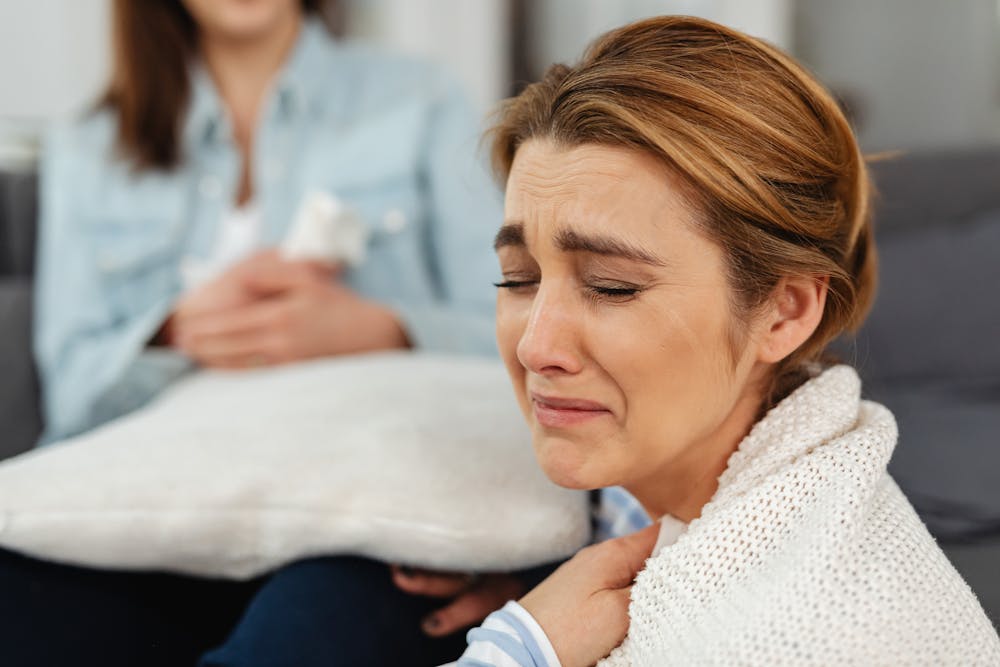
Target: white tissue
325,229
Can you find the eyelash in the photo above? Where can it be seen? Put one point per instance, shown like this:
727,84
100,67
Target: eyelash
616,294
515,284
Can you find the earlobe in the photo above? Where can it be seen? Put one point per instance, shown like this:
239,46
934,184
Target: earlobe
796,310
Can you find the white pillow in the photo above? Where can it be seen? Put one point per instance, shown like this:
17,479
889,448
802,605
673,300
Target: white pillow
403,457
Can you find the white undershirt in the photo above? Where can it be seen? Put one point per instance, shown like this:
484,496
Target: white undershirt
671,529
238,237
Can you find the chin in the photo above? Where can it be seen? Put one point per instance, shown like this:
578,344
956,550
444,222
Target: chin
245,19
567,463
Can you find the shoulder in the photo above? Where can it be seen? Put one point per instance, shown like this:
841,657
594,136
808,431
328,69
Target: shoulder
93,131
79,146
376,76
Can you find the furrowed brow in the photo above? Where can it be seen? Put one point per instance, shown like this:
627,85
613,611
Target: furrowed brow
511,234
570,241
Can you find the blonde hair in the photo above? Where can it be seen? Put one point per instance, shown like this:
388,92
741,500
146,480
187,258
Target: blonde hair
764,151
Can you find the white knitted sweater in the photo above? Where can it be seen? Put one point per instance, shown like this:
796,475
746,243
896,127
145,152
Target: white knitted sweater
808,554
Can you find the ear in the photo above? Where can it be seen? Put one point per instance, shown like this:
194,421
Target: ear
796,310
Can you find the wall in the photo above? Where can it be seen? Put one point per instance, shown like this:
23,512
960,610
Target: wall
53,59
561,29
470,37
921,73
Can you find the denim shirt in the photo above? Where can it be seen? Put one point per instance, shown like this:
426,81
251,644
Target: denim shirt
393,138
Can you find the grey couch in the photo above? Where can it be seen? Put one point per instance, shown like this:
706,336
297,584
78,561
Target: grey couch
929,350
20,417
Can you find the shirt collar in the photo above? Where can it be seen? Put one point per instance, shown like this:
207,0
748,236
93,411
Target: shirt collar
296,89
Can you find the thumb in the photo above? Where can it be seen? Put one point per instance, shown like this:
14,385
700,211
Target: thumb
631,553
277,277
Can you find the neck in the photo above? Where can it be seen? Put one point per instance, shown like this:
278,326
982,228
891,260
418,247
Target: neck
243,68
685,484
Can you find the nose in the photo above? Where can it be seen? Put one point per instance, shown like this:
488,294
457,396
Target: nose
550,342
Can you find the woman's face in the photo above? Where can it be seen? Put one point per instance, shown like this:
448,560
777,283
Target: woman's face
242,19
614,319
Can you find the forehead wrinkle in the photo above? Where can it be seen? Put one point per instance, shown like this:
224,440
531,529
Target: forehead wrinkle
566,183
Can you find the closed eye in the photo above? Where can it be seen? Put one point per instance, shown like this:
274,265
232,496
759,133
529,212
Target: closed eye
515,284
612,293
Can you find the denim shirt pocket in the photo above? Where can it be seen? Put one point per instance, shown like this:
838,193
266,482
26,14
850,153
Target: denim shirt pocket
396,265
136,260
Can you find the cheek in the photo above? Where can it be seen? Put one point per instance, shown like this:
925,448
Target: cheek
511,320
673,365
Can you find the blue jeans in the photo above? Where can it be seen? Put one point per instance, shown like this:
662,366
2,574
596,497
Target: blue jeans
334,612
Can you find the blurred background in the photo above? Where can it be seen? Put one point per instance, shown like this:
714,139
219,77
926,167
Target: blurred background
913,73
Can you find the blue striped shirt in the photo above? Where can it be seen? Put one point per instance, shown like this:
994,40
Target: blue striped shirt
510,637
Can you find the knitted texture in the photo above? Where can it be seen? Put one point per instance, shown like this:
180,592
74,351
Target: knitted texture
808,554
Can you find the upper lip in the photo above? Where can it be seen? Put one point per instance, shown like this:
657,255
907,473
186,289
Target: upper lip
561,403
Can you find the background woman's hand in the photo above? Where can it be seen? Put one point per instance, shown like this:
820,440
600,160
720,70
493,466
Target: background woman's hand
233,288
228,291
473,598
583,606
268,311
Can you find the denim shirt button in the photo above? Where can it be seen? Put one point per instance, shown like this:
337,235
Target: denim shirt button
210,187
274,170
107,263
394,221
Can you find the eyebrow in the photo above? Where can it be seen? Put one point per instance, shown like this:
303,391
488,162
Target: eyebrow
512,234
570,241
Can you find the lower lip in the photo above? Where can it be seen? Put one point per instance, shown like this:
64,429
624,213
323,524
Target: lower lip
562,417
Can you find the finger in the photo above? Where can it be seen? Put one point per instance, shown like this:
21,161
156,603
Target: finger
621,600
262,258
430,584
325,268
278,277
235,363
254,317
250,350
248,336
468,609
630,553
243,351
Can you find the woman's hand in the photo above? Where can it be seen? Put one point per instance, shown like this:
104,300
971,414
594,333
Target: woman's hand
230,290
279,311
583,606
234,287
474,598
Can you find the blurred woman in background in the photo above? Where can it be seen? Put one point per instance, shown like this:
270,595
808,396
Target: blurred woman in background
161,212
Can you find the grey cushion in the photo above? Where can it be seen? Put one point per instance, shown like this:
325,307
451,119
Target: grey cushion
948,457
929,349
936,187
18,213
937,312
20,421
977,562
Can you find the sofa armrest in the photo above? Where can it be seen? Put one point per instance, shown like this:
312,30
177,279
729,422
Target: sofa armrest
976,560
18,214
20,413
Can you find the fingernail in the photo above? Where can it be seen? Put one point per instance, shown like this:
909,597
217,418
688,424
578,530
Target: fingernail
431,623
407,571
